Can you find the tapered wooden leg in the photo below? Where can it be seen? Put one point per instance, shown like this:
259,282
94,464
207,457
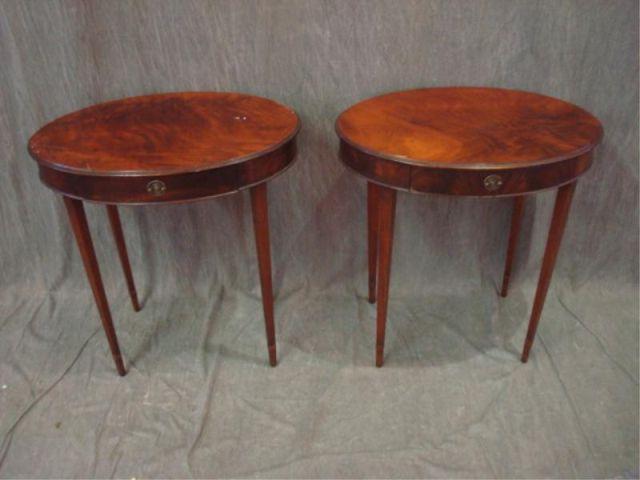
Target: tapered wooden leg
514,232
261,229
558,222
386,217
116,228
372,227
78,220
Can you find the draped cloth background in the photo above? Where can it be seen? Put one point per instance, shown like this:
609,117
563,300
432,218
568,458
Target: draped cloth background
452,400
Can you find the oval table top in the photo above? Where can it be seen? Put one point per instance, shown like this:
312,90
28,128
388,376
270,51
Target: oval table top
171,147
465,131
164,134
469,127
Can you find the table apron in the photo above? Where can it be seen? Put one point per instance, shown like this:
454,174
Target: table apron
493,182
129,189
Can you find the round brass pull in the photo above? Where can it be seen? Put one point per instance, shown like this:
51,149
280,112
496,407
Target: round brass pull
492,182
156,187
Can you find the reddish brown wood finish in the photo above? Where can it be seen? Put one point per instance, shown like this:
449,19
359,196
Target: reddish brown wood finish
449,140
451,181
137,190
386,213
464,141
469,128
261,229
165,134
372,221
166,148
78,220
118,235
556,230
514,232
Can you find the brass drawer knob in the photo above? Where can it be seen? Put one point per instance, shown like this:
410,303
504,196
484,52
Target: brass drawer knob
156,187
492,182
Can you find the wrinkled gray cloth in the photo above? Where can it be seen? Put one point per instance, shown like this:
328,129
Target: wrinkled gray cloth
453,399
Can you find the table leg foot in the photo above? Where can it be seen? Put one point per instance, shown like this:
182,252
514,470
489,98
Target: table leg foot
78,219
273,359
556,230
514,232
261,230
372,230
386,216
116,228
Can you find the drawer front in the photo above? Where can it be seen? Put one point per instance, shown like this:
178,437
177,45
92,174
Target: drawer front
494,183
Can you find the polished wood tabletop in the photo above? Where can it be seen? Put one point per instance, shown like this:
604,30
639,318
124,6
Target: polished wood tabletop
164,134
114,149
448,140
469,128
477,141
165,148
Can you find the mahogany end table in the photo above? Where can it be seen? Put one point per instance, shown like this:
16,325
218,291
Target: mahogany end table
484,142
166,148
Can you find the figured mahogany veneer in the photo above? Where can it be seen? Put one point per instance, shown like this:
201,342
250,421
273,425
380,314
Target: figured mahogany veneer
166,148
191,145
449,140
465,141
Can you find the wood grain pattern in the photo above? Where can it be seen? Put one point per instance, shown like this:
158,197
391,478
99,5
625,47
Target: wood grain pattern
164,134
451,181
469,128
166,148
134,190
453,140
195,145
464,141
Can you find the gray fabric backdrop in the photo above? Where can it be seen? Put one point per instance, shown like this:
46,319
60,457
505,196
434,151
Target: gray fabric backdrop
452,399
